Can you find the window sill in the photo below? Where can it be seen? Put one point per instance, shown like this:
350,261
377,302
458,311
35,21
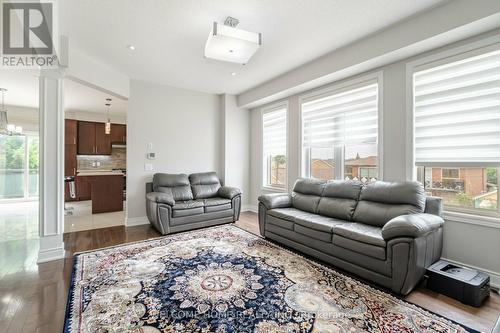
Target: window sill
485,221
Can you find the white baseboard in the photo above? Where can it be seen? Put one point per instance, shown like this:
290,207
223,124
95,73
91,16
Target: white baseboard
250,208
133,221
494,276
51,254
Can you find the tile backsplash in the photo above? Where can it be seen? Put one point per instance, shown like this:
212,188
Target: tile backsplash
117,160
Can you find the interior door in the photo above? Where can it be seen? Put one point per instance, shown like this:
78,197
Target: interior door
102,140
86,138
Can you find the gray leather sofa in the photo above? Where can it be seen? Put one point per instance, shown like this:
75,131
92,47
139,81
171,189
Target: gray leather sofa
176,202
388,233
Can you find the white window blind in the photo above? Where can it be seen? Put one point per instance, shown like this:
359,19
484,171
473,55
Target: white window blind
274,132
457,113
349,116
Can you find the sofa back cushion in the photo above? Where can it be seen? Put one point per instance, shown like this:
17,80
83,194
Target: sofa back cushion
306,194
204,185
177,184
339,199
380,201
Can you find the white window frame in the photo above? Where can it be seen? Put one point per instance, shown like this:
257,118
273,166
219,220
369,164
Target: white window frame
337,87
460,214
263,176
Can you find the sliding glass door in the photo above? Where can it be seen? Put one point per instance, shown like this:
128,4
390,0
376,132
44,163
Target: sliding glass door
19,167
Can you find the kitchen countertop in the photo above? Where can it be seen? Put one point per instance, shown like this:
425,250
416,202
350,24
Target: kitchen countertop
82,173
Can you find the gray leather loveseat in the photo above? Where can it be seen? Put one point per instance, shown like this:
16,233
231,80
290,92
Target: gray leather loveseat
176,202
388,233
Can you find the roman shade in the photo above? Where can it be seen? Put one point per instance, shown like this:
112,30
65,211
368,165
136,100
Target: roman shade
342,116
274,131
457,112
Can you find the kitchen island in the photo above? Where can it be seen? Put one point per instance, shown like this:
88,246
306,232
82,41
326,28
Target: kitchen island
106,190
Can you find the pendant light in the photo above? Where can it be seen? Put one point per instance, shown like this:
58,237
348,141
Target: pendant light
5,127
107,127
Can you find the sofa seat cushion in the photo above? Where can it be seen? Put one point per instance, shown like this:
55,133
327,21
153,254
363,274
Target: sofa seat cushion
318,222
216,204
186,208
217,201
288,214
360,238
361,232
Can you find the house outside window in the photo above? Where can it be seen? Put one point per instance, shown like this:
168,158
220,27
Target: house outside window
274,146
340,132
457,130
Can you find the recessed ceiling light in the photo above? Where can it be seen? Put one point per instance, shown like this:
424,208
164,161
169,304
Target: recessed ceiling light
233,73
131,47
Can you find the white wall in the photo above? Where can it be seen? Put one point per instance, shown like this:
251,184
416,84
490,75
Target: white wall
472,244
184,127
236,146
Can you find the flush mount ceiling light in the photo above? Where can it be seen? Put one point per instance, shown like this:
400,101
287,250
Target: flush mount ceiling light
131,47
226,43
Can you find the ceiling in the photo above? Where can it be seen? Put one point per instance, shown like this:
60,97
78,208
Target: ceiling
170,36
22,89
79,97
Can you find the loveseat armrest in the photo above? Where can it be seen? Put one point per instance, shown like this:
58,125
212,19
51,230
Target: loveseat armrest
411,225
161,197
228,192
276,200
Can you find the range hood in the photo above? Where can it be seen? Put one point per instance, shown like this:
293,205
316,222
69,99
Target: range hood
118,145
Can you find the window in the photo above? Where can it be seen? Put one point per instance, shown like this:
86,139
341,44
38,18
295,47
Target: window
18,167
274,123
340,133
456,110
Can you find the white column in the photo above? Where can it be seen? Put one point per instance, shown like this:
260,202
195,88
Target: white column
51,166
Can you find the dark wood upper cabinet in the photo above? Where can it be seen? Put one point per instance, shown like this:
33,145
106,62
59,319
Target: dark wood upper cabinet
70,131
86,138
92,139
102,140
118,133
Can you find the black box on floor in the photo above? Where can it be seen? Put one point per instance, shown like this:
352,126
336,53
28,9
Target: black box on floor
464,284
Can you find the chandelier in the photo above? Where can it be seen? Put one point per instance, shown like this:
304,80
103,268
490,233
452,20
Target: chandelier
5,127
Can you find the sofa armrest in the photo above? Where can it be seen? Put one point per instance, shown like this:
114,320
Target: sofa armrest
276,200
411,225
228,192
161,197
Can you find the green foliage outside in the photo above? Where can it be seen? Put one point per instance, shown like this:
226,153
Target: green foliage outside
491,175
464,199
11,152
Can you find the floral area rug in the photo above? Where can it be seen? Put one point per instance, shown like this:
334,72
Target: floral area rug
224,279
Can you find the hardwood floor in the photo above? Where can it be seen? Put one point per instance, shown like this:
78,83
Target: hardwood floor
33,297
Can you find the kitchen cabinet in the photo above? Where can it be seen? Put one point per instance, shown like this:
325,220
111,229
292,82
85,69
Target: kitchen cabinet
83,188
70,147
118,133
70,139
102,140
92,140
